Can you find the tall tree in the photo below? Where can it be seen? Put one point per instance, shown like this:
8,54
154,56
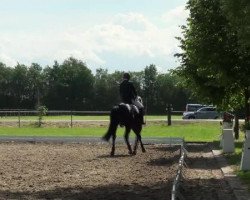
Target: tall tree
211,62
70,85
150,76
36,83
101,89
238,13
6,100
169,92
20,85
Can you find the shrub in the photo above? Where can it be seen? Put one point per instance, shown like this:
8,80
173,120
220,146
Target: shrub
42,111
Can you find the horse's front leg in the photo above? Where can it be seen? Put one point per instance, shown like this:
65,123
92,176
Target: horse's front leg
138,139
142,146
113,145
135,145
126,137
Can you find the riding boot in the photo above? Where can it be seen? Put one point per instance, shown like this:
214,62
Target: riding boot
142,116
143,122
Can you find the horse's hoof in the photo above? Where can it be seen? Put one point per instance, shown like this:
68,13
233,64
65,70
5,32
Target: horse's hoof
143,150
134,153
130,152
105,139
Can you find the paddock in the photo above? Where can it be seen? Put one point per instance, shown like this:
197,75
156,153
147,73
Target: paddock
86,171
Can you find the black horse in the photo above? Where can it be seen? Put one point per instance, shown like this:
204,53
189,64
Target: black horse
128,116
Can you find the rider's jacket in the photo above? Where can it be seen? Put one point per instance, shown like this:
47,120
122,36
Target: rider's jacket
127,91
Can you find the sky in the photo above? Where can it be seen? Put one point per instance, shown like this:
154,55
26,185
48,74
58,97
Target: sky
125,35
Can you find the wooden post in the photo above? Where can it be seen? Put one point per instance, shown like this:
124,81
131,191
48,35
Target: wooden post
19,120
71,121
236,127
169,109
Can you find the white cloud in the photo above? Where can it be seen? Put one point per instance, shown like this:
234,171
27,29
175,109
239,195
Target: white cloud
120,36
7,60
176,16
127,34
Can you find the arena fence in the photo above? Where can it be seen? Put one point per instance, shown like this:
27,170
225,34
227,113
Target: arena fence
18,116
21,117
50,112
176,192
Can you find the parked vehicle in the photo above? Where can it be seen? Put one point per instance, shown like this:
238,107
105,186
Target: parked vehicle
203,113
190,109
193,107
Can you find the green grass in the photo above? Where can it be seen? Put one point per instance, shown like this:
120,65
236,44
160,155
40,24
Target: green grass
234,158
191,132
245,176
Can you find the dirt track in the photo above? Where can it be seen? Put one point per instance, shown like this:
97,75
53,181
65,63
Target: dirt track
81,171
76,171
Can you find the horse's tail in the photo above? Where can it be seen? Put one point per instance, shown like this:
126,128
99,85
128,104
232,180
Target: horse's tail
113,124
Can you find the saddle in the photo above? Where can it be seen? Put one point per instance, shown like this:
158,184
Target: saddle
131,110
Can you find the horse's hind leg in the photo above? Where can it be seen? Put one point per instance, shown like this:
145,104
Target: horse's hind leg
113,145
135,145
126,136
138,138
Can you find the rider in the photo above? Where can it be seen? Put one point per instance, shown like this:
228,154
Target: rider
128,94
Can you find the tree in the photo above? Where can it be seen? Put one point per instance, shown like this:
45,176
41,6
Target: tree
105,90
212,64
113,96
169,92
19,86
6,99
52,99
79,81
70,85
149,85
36,83
238,13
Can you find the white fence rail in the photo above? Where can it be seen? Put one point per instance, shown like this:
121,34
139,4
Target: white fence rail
18,116
175,193
50,112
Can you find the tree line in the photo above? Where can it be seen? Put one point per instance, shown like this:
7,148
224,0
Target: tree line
72,86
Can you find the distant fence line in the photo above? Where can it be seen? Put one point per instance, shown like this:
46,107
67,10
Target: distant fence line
19,113
30,111
50,112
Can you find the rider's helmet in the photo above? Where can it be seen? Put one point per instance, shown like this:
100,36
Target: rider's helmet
126,76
